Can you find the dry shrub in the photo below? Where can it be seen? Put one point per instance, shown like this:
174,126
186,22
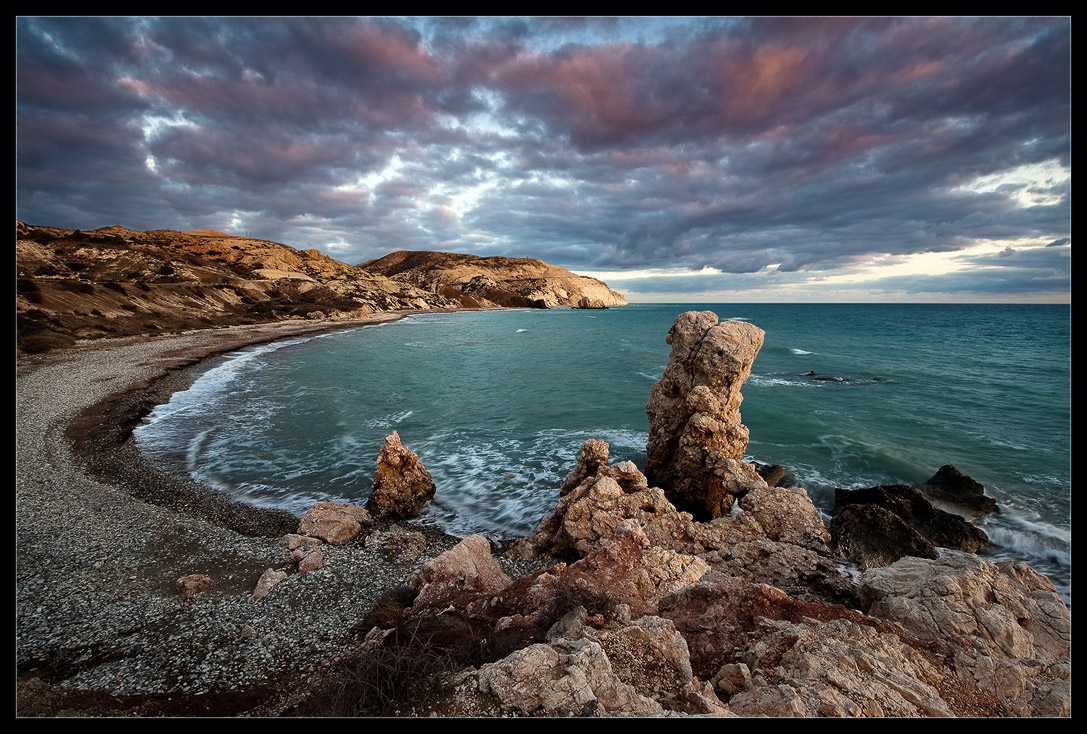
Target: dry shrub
400,677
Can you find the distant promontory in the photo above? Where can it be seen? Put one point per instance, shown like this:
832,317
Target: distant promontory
113,281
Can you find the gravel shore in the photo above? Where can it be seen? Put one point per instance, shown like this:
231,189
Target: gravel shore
102,536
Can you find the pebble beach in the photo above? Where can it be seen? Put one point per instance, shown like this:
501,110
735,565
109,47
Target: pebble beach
102,538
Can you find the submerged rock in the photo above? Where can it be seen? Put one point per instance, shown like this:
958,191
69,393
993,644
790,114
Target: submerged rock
696,440
402,485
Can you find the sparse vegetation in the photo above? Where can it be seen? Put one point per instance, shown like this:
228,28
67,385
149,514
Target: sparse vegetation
401,677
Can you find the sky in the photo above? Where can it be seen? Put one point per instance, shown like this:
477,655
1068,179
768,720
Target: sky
678,159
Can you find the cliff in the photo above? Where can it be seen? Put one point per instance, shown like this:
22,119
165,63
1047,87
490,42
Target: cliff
115,281
482,282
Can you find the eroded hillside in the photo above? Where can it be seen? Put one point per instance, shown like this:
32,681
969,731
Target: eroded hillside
114,281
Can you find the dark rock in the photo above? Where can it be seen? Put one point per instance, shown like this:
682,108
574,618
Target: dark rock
939,528
953,491
872,536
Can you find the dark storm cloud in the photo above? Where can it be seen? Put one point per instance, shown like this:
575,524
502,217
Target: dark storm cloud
805,144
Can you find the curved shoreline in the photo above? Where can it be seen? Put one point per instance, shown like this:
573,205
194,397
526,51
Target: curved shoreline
102,535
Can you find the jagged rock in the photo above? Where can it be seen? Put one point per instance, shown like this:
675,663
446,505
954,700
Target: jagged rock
871,538
696,440
771,655
267,580
468,568
561,678
403,545
191,585
778,539
402,485
837,668
633,571
587,302
787,516
595,508
952,491
593,457
334,522
626,668
1014,630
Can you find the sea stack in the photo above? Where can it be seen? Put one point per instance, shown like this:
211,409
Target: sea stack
696,441
402,485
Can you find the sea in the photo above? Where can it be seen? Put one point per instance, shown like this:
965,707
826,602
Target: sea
498,403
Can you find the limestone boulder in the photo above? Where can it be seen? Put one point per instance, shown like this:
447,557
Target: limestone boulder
696,440
267,580
311,561
594,510
593,667
402,485
465,571
333,522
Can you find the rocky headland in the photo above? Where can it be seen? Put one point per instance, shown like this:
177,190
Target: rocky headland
694,588
114,281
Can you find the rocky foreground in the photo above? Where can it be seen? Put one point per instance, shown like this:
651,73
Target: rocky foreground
693,589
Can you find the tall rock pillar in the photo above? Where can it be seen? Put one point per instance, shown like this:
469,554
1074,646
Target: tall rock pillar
696,440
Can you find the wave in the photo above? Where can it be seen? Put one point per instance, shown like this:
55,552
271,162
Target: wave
389,420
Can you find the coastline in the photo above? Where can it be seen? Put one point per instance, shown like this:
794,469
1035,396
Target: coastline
102,536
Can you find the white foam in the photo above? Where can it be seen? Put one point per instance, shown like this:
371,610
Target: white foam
389,420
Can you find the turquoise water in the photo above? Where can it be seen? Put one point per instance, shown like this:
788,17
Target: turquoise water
497,405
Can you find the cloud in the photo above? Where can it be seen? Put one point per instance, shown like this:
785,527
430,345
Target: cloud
754,146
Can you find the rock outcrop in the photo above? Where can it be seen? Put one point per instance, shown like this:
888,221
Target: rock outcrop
696,440
1004,625
486,282
402,485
